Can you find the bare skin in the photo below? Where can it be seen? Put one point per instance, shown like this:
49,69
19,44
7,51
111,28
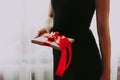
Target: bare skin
102,14
102,17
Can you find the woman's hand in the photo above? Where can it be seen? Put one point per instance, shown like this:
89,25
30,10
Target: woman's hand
42,31
105,76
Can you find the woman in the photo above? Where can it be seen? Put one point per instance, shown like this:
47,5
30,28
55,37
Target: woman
72,19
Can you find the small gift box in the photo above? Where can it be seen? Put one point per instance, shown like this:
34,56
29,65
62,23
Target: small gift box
49,40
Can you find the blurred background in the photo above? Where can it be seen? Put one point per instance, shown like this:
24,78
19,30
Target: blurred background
22,60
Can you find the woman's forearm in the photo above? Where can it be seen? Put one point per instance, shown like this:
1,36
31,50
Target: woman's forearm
105,47
102,15
48,23
49,20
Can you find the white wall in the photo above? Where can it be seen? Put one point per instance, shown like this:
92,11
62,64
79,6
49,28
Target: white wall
19,22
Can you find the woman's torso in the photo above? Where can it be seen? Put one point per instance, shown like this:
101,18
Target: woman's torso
72,17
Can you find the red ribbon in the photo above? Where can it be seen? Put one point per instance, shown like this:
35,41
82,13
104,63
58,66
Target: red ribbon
64,44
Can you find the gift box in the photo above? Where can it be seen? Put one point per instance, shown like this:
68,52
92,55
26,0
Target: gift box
44,40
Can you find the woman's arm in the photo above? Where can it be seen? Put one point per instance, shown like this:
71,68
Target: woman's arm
48,23
49,20
102,15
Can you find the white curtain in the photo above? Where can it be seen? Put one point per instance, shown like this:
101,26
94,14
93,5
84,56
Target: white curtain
19,23
19,58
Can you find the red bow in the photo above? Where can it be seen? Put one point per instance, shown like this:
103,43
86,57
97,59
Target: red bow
64,44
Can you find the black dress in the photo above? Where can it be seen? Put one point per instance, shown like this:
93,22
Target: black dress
72,18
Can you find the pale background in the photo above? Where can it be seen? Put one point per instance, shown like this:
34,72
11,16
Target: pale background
19,22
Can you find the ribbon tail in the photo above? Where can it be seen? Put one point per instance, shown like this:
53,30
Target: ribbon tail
69,47
62,63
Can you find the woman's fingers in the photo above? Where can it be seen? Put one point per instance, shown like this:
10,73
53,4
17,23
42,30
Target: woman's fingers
41,32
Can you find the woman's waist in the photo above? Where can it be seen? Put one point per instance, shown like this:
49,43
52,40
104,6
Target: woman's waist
80,34
84,37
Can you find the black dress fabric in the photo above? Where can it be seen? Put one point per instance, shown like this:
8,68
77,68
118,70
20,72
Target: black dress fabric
72,18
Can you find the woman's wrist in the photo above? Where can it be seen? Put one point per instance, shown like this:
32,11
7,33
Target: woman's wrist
48,23
106,70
